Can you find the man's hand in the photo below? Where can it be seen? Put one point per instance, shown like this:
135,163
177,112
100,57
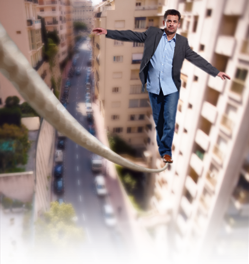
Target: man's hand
99,31
223,76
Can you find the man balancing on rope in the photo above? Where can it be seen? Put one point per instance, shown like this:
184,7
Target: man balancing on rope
164,52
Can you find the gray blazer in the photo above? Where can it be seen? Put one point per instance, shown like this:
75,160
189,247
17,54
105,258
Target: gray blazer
151,38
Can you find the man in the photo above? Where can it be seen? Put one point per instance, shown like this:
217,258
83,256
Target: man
164,52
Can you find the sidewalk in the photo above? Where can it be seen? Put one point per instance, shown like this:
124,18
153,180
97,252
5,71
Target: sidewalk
137,236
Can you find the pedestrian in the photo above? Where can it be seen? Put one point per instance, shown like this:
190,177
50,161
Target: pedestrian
164,52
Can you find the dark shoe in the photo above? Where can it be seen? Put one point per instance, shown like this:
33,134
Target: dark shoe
167,159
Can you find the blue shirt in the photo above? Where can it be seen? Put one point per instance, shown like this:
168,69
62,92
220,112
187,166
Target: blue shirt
160,68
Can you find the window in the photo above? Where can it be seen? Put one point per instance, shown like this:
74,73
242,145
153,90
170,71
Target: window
115,89
118,58
138,44
209,12
133,103
117,75
135,89
195,23
118,43
151,23
131,130
179,107
140,22
117,129
137,58
119,24
138,4
241,74
184,79
115,117
141,117
116,104
144,103
135,75
202,47
41,10
132,117
140,130
196,78
176,128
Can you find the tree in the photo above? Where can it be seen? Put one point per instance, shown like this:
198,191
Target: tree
79,26
27,109
57,228
11,116
51,52
12,101
54,36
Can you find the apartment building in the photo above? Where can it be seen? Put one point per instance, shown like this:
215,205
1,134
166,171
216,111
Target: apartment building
116,67
19,18
205,190
69,23
54,14
83,12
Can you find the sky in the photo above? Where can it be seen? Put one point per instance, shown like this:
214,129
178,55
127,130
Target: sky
95,2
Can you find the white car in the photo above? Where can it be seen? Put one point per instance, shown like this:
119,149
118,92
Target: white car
58,155
97,163
100,185
88,95
89,108
110,218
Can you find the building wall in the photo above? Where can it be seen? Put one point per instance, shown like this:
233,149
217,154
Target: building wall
44,165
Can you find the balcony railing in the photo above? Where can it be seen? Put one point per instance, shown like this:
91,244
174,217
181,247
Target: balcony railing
245,47
48,23
227,122
48,3
146,7
136,61
237,87
33,22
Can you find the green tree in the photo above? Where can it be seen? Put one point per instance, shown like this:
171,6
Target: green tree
19,155
12,101
57,228
27,110
53,35
79,26
51,52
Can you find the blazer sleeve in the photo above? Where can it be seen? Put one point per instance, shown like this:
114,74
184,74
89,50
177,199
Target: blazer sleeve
200,62
127,35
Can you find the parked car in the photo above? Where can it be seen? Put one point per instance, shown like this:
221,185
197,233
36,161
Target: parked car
60,200
89,117
58,171
91,130
88,95
64,104
74,62
97,163
88,100
58,155
109,216
61,143
78,71
68,83
100,185
89,108
59,186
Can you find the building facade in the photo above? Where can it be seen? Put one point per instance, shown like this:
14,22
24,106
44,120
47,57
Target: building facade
24,28
83,12
206,189
116,67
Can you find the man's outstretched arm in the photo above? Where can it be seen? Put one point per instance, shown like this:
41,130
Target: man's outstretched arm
200,62
122,35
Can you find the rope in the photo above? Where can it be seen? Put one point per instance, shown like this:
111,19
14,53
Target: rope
16,68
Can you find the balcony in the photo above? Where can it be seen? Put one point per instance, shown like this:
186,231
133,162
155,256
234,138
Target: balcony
225,45
234,8
48,3
191,186
34,23
51,23
236,90
211,181
245,47
227,124
209,112
147,10
196,163
188,7
49,14
216,83
218,155
202,139
186,206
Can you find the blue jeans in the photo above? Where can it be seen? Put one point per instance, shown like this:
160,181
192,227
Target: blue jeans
164,113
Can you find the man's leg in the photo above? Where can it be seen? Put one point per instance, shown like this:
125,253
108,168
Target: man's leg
169,114
157,105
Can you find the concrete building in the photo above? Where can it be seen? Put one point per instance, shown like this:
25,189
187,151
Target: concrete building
83,12
210,147
19,18
69,23
116,67
54,14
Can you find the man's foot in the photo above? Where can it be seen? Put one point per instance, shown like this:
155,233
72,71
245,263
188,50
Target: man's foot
167,159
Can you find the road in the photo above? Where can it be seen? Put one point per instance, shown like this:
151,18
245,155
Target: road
79,178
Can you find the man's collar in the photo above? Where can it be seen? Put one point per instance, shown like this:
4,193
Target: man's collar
174,38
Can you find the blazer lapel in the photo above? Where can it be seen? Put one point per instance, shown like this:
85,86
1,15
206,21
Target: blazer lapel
157,39
176,48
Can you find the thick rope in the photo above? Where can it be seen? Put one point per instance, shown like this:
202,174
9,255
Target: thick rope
16,68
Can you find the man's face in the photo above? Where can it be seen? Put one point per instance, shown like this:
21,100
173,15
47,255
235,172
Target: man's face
171,23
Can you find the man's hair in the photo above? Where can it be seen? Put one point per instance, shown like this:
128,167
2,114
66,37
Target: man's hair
172,12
